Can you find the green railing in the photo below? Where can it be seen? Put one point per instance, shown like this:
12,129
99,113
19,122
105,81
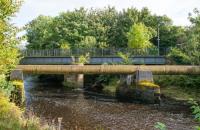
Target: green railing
98,52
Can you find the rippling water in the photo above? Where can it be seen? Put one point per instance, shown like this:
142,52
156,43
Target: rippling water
86,111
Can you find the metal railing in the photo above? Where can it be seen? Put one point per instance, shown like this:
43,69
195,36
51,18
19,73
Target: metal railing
94,52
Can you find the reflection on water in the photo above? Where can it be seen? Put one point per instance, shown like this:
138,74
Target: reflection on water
85,111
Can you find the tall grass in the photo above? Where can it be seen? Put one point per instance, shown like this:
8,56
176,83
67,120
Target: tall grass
11,117
183,81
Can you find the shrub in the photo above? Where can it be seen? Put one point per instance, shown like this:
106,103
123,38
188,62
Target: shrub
11,117
195,109
183,81
125,58
83,59
5,86
160,126
178,56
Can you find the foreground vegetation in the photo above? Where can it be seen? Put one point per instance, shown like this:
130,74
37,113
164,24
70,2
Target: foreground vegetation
11,116
179,87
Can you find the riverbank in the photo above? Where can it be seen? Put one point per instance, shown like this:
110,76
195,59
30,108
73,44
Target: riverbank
12,118
180,94
169,94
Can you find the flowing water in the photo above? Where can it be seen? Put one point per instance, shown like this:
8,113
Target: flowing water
87,111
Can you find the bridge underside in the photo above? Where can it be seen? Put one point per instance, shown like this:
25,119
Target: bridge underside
109,69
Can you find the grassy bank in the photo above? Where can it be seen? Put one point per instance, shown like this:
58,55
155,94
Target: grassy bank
179,93
11,117
179,87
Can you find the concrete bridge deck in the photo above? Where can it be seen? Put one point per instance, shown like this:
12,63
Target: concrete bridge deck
109,69
148,60
98,56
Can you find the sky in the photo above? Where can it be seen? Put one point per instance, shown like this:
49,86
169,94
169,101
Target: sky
177,10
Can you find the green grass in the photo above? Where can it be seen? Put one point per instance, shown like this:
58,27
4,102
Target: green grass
11,117
111,87
180,93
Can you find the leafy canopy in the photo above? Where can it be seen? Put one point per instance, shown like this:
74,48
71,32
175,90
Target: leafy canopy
139,36
108,26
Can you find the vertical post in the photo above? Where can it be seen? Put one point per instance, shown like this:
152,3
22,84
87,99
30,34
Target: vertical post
59,123
158,39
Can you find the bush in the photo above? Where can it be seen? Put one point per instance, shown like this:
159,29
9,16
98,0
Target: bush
183,81
5,86
178,57
11,117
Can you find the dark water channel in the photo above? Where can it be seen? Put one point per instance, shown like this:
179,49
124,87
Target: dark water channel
85,111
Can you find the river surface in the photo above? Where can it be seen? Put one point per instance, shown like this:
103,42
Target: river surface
85,111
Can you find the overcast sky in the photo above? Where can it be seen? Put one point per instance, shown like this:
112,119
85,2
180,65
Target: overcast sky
177,10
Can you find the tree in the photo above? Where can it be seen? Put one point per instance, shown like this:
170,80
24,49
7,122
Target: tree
189,51
193,42
139,36
88,42
40,33
8,51
108,26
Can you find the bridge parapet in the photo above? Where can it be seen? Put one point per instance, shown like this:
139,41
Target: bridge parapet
94,52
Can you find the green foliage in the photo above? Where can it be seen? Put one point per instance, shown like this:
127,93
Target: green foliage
64,45
8,58
160,126
8,52
178,56
11,117
88,42
182,81
197,128
83,59
189,50
8,41
139,36
108,26
125,58
5,86
195,109
40,34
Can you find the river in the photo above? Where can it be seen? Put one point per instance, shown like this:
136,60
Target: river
85,111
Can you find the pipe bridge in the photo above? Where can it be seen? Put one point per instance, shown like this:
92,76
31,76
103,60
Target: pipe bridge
109,69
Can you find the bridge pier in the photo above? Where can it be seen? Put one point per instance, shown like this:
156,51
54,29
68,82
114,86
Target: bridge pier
140,86
74,80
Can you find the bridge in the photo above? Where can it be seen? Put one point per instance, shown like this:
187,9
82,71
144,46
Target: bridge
64,62
97,56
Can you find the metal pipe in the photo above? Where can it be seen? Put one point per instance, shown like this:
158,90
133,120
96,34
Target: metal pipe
109,69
